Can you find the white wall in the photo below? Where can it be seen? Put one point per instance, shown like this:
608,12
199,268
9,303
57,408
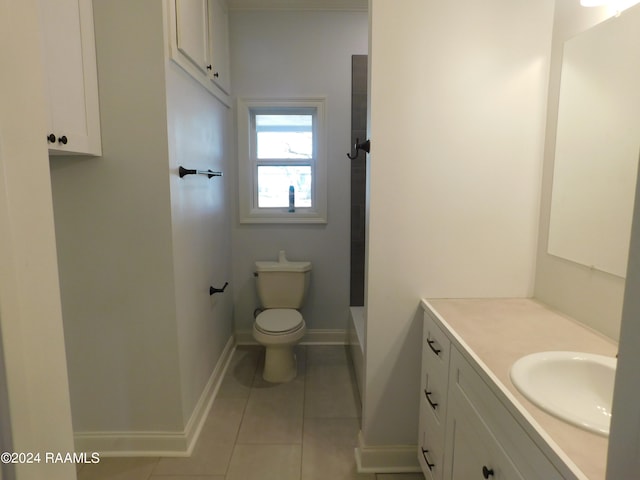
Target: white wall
591,296
138,246
457,107
305,53
30,312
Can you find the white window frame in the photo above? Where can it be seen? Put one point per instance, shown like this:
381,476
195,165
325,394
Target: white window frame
248,164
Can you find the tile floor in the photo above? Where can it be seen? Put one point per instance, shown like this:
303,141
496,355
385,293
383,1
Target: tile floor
302,430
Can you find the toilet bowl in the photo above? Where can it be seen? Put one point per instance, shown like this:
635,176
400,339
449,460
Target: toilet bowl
279,330
282,287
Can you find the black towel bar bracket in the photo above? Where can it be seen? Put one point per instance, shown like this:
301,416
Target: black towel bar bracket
209,173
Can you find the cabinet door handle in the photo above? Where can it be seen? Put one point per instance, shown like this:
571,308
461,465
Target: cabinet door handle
433,349
487,472
429,464
209,67
216,74
51,138
63,139
433,404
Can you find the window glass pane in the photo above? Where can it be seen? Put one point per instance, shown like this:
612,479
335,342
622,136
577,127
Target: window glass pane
284,136
274,183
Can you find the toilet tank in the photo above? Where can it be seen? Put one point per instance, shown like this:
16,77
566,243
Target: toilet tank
282,284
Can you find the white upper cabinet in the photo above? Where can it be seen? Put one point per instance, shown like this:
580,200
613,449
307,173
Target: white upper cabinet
200,42
69,56
219,41
192,32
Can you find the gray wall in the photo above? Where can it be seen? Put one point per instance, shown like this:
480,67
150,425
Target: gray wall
138,247
113,232
602,308
285,53
624,442
201,231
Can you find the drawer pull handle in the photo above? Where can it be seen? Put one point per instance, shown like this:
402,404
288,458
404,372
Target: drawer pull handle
429,465
433,404
433,349
487,472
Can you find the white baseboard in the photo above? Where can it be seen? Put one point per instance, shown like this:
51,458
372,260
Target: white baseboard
133,444
160,444
201,410
329,336
386,458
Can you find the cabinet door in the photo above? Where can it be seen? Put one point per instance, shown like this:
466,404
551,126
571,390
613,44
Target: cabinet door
219,38
482,433
199,44
192,32
68,52
475,452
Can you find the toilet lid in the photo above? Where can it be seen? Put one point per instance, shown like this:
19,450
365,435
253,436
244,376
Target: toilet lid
279,320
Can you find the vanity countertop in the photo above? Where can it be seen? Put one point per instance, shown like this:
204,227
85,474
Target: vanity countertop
497,332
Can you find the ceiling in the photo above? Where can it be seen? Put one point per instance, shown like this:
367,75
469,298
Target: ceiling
340,5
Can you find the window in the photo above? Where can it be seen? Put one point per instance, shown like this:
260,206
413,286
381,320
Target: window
282,165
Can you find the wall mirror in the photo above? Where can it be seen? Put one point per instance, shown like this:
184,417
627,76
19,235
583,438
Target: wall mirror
597,145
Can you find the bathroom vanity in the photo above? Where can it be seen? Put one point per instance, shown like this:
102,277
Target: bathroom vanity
474,423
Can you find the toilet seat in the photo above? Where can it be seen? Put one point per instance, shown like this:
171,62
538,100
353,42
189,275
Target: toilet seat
279,321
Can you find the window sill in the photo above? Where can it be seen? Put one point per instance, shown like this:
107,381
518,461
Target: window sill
284,218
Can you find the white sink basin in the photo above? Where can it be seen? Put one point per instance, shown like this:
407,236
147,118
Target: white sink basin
575,387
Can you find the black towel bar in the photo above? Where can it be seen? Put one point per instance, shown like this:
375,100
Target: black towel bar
186,171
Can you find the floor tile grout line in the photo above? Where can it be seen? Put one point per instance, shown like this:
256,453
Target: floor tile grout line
235,440
244,411
304,397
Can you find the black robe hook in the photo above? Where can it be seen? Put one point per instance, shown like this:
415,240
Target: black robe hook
366,146
213,290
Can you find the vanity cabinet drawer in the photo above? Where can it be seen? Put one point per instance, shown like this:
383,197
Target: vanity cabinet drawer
473,402
434,395
436,350
436,346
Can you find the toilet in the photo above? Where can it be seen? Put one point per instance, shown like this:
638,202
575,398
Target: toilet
282,287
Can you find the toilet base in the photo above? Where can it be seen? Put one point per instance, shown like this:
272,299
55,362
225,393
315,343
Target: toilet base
279,360
280,364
